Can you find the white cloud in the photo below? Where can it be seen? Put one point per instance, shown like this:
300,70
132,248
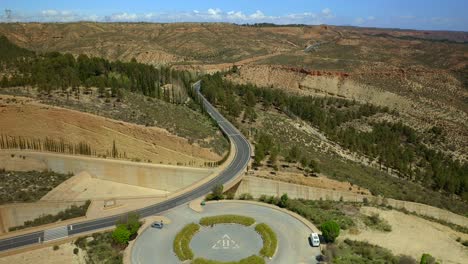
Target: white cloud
236,15
359,21
257,15
327,13
124,17
214,13
370,18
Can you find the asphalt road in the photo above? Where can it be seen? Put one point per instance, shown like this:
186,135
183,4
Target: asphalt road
237,165
155,245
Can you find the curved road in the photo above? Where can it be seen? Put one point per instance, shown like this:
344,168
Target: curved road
237,166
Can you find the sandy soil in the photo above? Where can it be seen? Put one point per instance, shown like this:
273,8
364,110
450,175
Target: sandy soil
83,187
319,182
47,255
138,142
412,235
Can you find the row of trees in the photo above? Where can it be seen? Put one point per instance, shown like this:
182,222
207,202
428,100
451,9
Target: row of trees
394,145
55,145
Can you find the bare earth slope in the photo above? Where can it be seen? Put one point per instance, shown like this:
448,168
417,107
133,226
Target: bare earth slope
29,119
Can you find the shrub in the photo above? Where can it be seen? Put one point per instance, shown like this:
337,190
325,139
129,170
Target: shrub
76,250
121,235
374,221
270,241
427,259
216,193
56,247
263,198
330,231
283,202
182,240
404,259
245,196
249,260
227,219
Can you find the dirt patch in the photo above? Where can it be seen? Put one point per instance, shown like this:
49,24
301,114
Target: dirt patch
318,182
150,144
412,235
84,187
64,254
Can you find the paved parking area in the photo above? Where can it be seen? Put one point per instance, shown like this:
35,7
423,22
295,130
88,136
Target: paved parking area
155,245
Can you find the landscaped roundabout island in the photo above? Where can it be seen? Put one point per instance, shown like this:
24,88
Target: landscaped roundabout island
227,232
241,240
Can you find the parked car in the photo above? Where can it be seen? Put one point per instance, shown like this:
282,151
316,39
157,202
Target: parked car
159,225
314,239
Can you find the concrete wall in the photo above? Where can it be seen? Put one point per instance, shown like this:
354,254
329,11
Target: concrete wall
161,177
258,186
16,214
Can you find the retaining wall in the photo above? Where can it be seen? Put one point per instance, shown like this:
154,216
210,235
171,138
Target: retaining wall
156,176
258,186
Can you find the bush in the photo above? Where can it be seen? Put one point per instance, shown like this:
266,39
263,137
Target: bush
227,219
270,241
76,250
374,221
56,247
245,196
427,259
249,260
216,193
182,240
330,231
121,235
283,202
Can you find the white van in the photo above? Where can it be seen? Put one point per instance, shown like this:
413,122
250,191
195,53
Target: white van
314,240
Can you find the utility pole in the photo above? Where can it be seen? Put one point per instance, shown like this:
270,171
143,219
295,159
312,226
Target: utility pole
8,15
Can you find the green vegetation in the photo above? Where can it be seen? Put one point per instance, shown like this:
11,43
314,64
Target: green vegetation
318,212
428,259
72,212
356,252
10,51
405,151
330,231
249,260
270,241
375,222
100,248
182,240
127,229
227,219
28,186
121,235
216,193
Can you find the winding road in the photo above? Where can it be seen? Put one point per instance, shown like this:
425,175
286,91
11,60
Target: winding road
233,170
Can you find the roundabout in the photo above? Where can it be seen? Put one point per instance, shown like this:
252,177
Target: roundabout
227,242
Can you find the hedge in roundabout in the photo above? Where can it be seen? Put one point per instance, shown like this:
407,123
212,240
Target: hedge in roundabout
227,219
249,260
182,241
183,238
270,241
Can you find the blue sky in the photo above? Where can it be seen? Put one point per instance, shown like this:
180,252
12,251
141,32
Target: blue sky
411,14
